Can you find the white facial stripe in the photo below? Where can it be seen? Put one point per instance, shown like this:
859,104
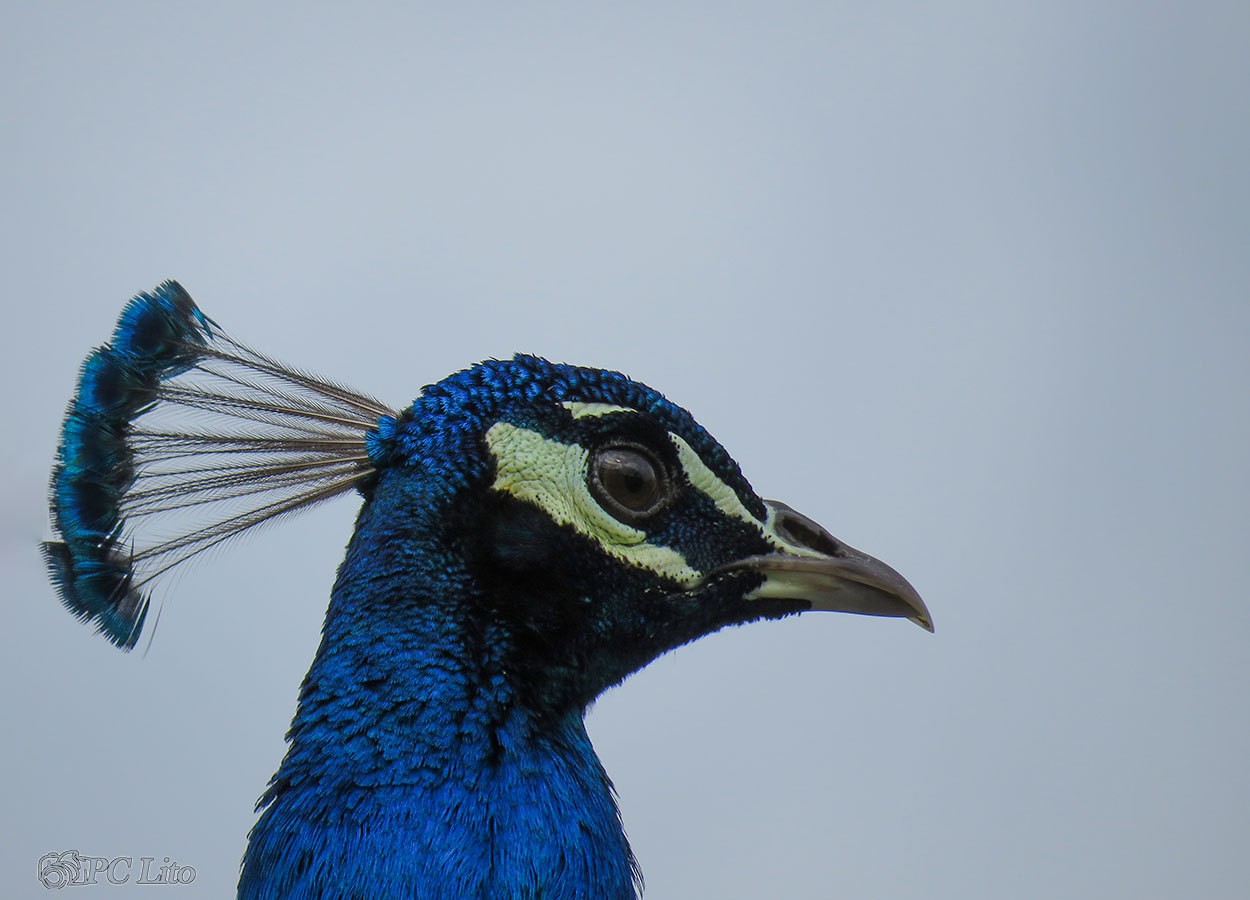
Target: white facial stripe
552,476
726,498
704,479
593,410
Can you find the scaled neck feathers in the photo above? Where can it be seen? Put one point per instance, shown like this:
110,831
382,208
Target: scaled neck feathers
415,769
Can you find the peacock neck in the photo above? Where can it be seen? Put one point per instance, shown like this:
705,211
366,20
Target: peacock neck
414,769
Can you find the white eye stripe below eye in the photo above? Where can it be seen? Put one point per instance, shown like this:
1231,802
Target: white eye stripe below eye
552,476
700,476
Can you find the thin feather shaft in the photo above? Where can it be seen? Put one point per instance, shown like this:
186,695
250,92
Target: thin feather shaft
225,487
210,537
243,406
220,368
260,362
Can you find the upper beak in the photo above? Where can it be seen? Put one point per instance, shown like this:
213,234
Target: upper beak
828,574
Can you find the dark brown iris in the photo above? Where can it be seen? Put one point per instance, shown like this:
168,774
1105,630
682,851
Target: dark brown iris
627,481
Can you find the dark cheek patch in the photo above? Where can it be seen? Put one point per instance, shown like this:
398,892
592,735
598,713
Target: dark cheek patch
518,537
537,574
704,535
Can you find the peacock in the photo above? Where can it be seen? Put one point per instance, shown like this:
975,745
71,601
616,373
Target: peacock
530,534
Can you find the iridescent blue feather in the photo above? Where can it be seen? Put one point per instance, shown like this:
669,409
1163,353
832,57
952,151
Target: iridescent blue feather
157,336
174,418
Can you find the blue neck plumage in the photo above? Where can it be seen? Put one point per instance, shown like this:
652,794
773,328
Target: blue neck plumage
413,769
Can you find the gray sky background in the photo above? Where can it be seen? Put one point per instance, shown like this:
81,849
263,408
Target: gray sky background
969,286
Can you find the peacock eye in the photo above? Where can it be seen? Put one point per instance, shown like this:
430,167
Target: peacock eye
628,482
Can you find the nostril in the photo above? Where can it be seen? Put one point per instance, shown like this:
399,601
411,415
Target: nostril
798,529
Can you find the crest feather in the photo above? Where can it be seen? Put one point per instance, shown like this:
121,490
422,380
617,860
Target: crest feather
178,439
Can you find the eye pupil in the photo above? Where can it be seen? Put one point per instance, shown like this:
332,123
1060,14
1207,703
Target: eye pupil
627,481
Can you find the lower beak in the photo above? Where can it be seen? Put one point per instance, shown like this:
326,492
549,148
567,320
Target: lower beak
828,574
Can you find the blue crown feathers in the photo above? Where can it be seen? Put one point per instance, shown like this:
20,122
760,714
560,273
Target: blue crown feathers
179,431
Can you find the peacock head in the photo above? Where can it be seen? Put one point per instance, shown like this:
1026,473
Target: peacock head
601,524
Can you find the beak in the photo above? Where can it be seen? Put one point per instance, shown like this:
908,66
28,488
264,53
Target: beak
817,568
